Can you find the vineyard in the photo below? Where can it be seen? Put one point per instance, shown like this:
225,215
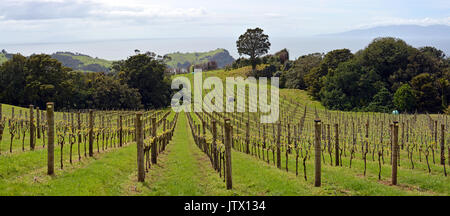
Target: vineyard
309,151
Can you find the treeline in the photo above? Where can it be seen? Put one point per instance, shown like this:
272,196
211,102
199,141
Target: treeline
138,82
388,74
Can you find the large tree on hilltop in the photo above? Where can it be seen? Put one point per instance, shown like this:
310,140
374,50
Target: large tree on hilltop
253,43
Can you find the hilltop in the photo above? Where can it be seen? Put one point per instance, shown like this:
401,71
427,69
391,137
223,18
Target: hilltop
82,62
76,61
181,60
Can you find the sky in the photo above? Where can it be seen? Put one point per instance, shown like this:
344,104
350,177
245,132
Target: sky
47,21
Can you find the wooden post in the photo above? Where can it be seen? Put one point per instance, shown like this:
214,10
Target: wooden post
443,144
154,147
228,154
435,136
336,131
50,139
32,143
278,146
214,144
394,154
38,123
317,158
79,134
247,140
140,148
1,116
91,133
120,132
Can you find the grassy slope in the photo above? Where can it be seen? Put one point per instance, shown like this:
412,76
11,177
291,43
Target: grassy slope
193,58
90,60
297,95
2,58
343,180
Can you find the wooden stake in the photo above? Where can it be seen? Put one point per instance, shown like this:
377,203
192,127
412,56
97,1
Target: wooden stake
91,133
50,139
140,148
154,144
394,154
336,134
443,144
229,177
278,146
317,148
32,143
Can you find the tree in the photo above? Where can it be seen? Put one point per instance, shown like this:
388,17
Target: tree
329,63
426,93
341,90
253,43
404,98
386,56
12,80
382,101
295,76
146,73
108,93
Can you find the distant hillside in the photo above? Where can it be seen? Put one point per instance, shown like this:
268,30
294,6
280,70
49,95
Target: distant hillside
78,61
2,58
401,31
181,60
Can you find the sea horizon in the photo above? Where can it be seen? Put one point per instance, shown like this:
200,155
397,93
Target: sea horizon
118,49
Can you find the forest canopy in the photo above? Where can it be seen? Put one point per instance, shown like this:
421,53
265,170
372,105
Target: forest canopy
138,82
388,74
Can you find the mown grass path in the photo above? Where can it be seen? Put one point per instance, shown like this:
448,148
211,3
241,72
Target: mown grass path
181,170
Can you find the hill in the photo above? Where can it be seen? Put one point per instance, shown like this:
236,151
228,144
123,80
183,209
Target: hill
76,61
401,31
2,58
82,62
181,60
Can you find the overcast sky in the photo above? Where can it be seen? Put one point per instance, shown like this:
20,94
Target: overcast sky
41,21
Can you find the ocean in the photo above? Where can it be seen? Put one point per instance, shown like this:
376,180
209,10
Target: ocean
121,49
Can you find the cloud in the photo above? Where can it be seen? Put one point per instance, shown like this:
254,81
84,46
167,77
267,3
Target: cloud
90,9
45,9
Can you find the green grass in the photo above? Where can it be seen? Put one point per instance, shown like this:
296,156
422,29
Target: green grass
192,58
87,60
101,175
2,58
184,170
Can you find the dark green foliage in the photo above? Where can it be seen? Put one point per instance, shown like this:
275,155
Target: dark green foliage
367,79
253,43
329,63
109,93
146,74
386,56
426,93
34,80
134,83
268,71
295,77
382,102
404,99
